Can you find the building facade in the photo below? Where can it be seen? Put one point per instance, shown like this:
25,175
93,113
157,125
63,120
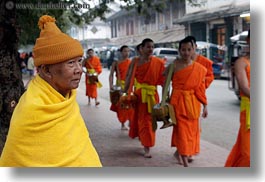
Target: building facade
214,21
128,27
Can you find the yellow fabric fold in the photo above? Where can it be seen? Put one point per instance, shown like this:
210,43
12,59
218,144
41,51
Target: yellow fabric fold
147,93
245,106
121,83
92,71
188,104
47,130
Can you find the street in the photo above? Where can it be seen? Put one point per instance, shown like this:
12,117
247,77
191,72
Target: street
115,148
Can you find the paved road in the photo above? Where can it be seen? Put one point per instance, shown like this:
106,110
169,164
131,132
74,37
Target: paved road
115,148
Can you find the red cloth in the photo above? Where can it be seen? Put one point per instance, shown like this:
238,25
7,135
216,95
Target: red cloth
187,95
208,64
123,114
240,153
91,89
150,73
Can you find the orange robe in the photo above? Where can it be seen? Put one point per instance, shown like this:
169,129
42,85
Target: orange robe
188,93
240,153
208,64
150,73
122,114
91,89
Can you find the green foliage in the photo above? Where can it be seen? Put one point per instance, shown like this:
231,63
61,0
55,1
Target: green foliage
75,12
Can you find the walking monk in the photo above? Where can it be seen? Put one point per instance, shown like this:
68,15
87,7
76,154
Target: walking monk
240,154
207,63
148,75
188,93
93,66
120,68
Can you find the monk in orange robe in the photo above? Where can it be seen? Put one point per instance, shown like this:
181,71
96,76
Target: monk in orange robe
207,63
188,93
92,65
148,75
120,68
240,154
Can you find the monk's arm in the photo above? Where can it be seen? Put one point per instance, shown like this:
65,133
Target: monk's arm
165,74
128,76
209,75
241,76
98,67
111,74
200,93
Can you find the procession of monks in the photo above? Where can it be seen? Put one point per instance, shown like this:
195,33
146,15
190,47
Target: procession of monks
192,75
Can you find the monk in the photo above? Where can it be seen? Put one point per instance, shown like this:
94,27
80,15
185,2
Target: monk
148,75
188,93
120,68
207,63
92,65
240,153
47,129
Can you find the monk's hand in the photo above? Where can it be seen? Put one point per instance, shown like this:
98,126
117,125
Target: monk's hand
204,111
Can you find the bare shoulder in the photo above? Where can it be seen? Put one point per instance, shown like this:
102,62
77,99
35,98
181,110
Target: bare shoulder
241,61
241,64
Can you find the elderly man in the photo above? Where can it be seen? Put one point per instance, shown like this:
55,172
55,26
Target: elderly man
47,129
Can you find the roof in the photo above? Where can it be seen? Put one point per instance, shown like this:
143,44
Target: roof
166,36
208,15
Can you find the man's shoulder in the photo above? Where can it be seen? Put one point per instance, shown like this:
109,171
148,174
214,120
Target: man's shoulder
200,67
158,59
203,59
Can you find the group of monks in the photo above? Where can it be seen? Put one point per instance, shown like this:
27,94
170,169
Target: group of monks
191,77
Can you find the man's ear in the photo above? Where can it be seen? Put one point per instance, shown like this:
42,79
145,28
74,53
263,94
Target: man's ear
45,70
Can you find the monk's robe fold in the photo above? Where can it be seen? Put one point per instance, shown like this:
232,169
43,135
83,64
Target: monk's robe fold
122,114
47,130
92,63
187,95
208,64
240,153
147,74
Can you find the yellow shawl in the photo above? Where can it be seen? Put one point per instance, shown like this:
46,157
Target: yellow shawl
47,130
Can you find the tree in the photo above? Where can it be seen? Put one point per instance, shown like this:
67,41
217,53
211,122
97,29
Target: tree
11,85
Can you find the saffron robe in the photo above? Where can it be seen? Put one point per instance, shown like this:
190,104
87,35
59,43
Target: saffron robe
240,153
188,92
122,114
91,89
47,130
150,74
208,64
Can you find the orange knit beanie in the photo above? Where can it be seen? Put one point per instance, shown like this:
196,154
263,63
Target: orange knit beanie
54,46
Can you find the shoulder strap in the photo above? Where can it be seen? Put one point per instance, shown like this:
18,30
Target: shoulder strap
117,70
89,64
132,77
169,76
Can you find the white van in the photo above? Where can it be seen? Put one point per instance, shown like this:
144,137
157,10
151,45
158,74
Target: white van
167,54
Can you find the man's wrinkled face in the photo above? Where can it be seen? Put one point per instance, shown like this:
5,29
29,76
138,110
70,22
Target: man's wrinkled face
66,76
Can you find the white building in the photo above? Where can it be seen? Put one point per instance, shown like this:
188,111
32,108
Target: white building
95,35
